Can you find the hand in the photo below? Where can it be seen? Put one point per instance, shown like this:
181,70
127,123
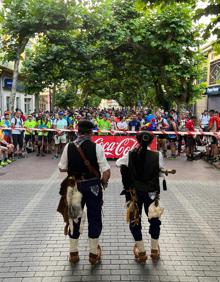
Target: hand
104,183
105,178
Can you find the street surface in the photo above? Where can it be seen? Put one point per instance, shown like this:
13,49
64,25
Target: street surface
33,247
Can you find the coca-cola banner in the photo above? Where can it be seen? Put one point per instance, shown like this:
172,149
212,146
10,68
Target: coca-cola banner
116,146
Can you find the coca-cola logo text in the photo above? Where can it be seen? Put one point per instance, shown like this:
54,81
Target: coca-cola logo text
116,146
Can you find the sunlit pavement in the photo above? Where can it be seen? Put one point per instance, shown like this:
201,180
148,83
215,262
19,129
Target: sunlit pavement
33,247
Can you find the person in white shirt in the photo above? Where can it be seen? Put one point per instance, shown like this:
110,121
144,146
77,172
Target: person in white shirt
204,121
122,125
17,135
60,136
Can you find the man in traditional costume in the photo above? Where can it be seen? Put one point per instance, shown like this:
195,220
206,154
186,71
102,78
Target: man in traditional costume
140,170
88,171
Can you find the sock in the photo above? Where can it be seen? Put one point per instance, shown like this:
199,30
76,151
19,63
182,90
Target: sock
73,245
154,244
140,246
93,245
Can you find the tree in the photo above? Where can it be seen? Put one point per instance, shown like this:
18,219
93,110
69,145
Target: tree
121,53
152,50
21,20
211,10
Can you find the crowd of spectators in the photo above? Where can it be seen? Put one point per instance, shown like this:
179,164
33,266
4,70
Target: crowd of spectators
14,143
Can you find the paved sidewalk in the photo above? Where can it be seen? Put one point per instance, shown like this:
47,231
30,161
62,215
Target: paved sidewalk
33,247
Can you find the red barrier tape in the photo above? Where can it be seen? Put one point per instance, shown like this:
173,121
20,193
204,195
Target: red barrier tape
113,132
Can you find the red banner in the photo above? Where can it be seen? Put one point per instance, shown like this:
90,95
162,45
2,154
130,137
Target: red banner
117,146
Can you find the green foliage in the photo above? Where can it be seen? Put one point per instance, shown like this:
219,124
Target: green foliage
121,53
211,10
23,19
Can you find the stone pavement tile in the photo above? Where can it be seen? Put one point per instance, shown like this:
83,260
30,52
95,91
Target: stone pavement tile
111,278
18,268
12,280
208,279
4,269
51,279
195,273
212,273
187,279
91,278
169,278
7,275
71,278
21,274
33,279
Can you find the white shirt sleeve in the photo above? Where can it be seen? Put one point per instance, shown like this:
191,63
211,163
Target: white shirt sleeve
161,160
122,161
63,164
102,161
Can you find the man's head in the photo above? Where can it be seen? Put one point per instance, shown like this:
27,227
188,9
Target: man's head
193,118
170,118
7,114
29,117
18,114
158,115
211,113
60,114
134,117
85,127
182,115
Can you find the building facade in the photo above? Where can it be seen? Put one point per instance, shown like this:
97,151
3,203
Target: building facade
213,79
23,101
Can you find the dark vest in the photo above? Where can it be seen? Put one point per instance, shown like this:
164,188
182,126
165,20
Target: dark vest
76,165
144,169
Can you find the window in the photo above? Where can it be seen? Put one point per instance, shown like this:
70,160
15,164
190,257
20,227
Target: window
214,72
27,105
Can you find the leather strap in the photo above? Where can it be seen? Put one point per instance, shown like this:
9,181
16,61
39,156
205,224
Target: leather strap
87,162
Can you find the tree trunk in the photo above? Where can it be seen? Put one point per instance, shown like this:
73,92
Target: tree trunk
20,50
37,101
52,97
14,83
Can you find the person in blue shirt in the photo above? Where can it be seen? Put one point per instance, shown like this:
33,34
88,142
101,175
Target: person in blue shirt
7,123
149,116
134,124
